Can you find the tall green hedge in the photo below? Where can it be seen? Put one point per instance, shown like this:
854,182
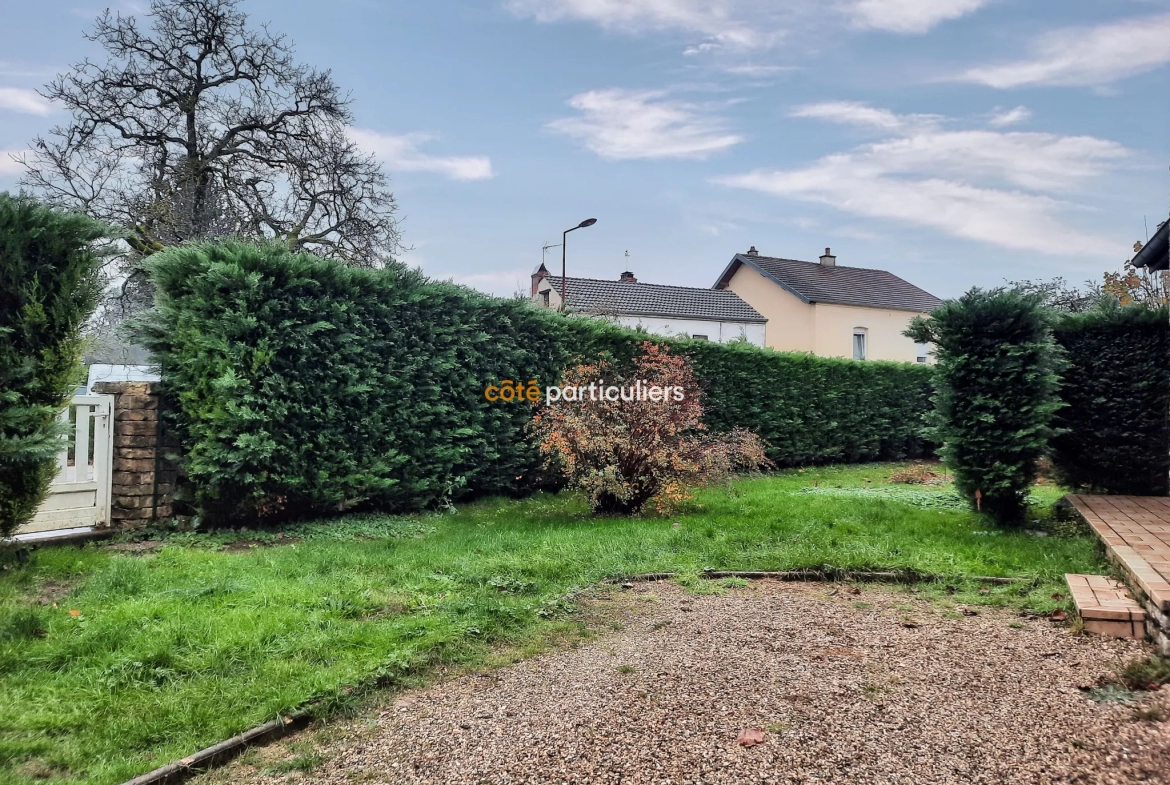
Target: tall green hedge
996,394
300,386
305,386
1115,425
49,286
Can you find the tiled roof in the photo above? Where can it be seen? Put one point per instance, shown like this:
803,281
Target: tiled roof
649,299
818,283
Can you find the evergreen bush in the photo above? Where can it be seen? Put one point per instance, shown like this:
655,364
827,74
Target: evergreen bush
50,282
1114,429
300,386
996,393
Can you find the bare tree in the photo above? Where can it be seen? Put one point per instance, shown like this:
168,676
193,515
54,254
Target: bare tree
201,127
1060,295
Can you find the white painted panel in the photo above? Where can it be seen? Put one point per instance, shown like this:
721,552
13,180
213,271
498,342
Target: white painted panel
71,497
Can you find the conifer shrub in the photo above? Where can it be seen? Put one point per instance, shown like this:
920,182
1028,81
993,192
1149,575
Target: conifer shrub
995,394
50,282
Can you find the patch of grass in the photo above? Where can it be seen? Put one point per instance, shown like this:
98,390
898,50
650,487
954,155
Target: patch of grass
626,669
1150,713
180,647
1148,673
698,586
304,758
1110,693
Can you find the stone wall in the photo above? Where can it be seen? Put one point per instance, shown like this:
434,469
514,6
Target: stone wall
143,481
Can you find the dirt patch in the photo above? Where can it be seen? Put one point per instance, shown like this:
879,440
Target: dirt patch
52,592
37,769
135,547
921,474
842,694
236,546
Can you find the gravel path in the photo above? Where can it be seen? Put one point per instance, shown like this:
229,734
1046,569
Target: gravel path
875,687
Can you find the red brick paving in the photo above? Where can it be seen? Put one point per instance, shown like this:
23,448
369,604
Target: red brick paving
1136,531
1105,606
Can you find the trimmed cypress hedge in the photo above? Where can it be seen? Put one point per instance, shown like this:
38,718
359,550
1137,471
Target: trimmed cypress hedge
49,286
1114,430
299,386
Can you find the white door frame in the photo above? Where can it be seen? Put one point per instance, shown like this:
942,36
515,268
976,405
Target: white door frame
80,494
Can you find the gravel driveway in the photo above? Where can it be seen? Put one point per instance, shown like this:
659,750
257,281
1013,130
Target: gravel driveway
876,687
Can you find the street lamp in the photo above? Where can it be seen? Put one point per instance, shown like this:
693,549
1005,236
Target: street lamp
564,237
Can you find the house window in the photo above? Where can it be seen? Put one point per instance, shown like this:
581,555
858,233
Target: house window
860,336
544,298
699,337
922,352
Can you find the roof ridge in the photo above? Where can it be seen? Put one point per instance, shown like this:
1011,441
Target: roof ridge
640,283
833,266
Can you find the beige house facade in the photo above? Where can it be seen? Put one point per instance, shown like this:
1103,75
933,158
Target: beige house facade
830,310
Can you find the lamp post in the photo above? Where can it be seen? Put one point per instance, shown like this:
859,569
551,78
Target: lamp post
564,238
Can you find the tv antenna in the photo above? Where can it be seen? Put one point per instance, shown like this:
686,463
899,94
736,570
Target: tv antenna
544,250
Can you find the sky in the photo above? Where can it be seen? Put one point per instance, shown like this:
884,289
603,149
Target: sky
956,143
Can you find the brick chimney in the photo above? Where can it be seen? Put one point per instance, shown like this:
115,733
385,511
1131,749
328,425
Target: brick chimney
752,252
538,275
828,260
628,277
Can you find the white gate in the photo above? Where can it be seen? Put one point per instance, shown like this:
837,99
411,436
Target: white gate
80,493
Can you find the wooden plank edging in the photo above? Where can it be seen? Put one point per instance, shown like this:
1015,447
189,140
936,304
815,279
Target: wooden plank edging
904,576
219,754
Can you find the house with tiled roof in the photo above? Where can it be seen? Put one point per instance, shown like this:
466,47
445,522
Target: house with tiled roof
828,309
706,314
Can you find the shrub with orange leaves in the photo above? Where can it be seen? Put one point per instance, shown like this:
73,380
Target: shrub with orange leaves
624,454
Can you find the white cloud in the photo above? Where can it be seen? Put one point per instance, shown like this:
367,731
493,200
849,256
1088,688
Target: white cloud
624,124
1011,117
851,113
759,70
18,99
1085,55
866,116
740,23
9,166
744,24
400,153
909,16
501,283
1006,189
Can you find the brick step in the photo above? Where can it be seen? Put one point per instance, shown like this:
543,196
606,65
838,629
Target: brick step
1106,607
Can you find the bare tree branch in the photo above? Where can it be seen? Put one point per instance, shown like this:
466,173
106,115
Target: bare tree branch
200,127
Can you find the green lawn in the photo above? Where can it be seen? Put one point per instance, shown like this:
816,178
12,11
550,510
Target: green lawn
146,657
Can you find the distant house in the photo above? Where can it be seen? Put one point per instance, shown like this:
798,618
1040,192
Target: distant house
1155,255
829,310
707,314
